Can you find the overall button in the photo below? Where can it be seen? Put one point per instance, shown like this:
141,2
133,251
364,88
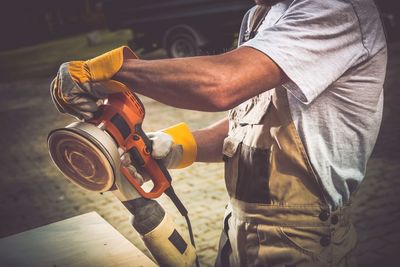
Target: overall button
324,215
325,241
334,219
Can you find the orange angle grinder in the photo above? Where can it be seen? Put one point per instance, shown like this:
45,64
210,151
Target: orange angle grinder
88,154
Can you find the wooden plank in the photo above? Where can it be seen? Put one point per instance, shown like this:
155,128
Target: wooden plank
85,240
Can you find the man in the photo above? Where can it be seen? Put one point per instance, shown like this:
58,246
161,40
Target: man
304,90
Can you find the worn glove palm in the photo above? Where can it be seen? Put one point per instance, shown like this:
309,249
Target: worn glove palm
163,148
174,146
80,86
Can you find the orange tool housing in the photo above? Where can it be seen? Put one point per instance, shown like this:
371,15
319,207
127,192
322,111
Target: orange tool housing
122,116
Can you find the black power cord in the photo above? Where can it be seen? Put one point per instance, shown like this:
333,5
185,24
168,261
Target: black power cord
183,211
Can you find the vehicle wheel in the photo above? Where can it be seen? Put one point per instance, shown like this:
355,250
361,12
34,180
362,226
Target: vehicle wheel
182,44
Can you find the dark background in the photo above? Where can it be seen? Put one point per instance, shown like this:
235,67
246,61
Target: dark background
25,22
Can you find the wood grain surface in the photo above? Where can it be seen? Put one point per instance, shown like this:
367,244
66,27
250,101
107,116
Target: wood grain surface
84,240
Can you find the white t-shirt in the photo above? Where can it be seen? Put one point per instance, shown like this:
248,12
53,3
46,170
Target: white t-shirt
335,54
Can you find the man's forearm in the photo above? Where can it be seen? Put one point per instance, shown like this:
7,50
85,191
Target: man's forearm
183,83
207,83
210,140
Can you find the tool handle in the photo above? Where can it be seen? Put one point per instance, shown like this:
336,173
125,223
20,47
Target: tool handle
139,148
158,189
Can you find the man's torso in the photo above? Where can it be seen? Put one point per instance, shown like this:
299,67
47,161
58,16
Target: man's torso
340,126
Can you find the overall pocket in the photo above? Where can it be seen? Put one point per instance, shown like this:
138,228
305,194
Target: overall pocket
231,159
246,172
305,239
297,246
246,151
252,179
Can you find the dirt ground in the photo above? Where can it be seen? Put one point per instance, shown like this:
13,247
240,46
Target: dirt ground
34,193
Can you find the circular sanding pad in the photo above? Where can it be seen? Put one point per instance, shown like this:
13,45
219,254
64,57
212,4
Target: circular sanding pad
80,160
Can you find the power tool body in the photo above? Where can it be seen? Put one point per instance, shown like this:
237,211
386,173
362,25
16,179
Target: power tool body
89,154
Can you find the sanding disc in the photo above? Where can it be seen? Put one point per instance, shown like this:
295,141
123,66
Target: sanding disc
80,160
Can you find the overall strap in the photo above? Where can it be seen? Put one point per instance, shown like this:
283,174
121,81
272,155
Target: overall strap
256,20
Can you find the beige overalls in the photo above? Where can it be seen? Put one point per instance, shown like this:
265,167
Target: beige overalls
278,214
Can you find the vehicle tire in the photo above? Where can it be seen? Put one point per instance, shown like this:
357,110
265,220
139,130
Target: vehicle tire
181,44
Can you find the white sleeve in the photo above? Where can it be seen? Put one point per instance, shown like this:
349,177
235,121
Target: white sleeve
314,43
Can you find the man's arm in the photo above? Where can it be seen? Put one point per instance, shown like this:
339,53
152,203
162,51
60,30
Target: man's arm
206,83
209,141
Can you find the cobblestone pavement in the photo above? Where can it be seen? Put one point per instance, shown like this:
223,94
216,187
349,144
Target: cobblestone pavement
376,212
34,193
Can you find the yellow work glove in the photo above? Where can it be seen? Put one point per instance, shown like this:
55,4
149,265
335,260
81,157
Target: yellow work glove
80,86
175,146
183,150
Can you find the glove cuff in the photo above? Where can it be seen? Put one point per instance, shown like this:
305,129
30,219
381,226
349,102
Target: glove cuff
101,69
105,66
182,135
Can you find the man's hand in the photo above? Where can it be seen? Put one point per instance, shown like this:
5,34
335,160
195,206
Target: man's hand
203,145
163,148
80,86
174,146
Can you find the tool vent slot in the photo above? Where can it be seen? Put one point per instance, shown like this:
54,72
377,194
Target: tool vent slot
178,241
121,125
